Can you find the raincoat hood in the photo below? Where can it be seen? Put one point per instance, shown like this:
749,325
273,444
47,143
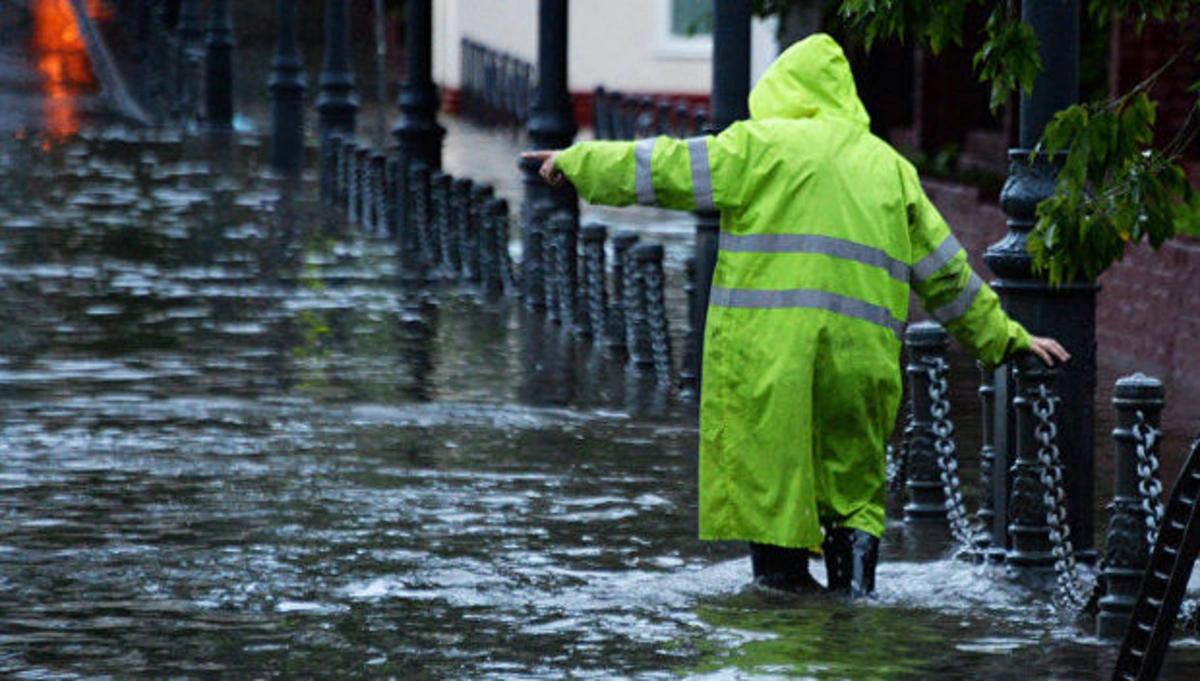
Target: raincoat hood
810,78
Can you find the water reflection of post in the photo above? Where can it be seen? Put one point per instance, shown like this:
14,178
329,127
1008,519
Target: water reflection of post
416,330
547,361
287,94
218,68
281,250
188,37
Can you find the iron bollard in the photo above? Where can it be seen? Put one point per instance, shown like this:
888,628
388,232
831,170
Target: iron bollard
408,236
565,235
504,261
418,211
394,185
637,331
682,119
649,259
618,333
534,269
595,292
550,264
599,114
379,192
337,104
1136,508
346,173
691,344
287,86
473,237
927,343
440,215
362,185
460,219
331,152
1035,404
494,211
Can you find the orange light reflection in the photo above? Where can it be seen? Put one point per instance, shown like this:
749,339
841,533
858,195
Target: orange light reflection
63,62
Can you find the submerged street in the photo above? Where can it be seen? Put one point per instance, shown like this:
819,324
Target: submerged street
235,445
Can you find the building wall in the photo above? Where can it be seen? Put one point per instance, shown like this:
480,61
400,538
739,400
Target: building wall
620,44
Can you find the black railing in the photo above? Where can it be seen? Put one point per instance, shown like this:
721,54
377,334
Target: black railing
619,116
496,86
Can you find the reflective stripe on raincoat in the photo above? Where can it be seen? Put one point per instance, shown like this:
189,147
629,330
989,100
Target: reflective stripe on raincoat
825,230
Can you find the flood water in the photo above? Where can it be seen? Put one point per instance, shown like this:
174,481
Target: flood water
234,446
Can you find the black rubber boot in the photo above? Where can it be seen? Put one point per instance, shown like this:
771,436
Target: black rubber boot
850,560
781,568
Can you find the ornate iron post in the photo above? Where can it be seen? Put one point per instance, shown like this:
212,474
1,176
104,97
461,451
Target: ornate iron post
1138,401
1067,313
1028,529
287,94
927,343
418,132
337,104
730,90
218,68
552,125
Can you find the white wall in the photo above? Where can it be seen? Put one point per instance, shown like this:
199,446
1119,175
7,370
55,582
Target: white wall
621,44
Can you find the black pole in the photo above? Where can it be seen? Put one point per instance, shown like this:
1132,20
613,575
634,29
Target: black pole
552,123
287,93
337,104
730,91
418,132
1068,312
218,68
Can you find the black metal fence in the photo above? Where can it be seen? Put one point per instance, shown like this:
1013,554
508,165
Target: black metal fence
618,116
496,86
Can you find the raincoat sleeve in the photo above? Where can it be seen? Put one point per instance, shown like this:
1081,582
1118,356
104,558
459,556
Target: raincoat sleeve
661,171
951,291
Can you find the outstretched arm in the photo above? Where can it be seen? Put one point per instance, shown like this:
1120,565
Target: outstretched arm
553,176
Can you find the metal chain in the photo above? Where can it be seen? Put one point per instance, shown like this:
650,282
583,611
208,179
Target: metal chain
1146,436
943,444
1070,591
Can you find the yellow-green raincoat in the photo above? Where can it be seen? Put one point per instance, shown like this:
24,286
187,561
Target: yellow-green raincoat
824,231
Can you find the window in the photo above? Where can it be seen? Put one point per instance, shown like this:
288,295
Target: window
684,28
690,18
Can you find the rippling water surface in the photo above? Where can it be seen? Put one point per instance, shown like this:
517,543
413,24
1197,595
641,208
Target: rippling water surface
234,446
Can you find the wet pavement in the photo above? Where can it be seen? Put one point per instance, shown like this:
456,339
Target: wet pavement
235,446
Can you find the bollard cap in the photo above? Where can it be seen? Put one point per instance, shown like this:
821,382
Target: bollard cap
648,252
624,239
463,184
926,335
482,191
562,221
1138,388
499,206
593,231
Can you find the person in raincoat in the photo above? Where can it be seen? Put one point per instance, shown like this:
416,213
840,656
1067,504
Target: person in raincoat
825,230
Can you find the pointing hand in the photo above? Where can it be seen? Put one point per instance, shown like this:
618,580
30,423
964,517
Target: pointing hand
553,176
